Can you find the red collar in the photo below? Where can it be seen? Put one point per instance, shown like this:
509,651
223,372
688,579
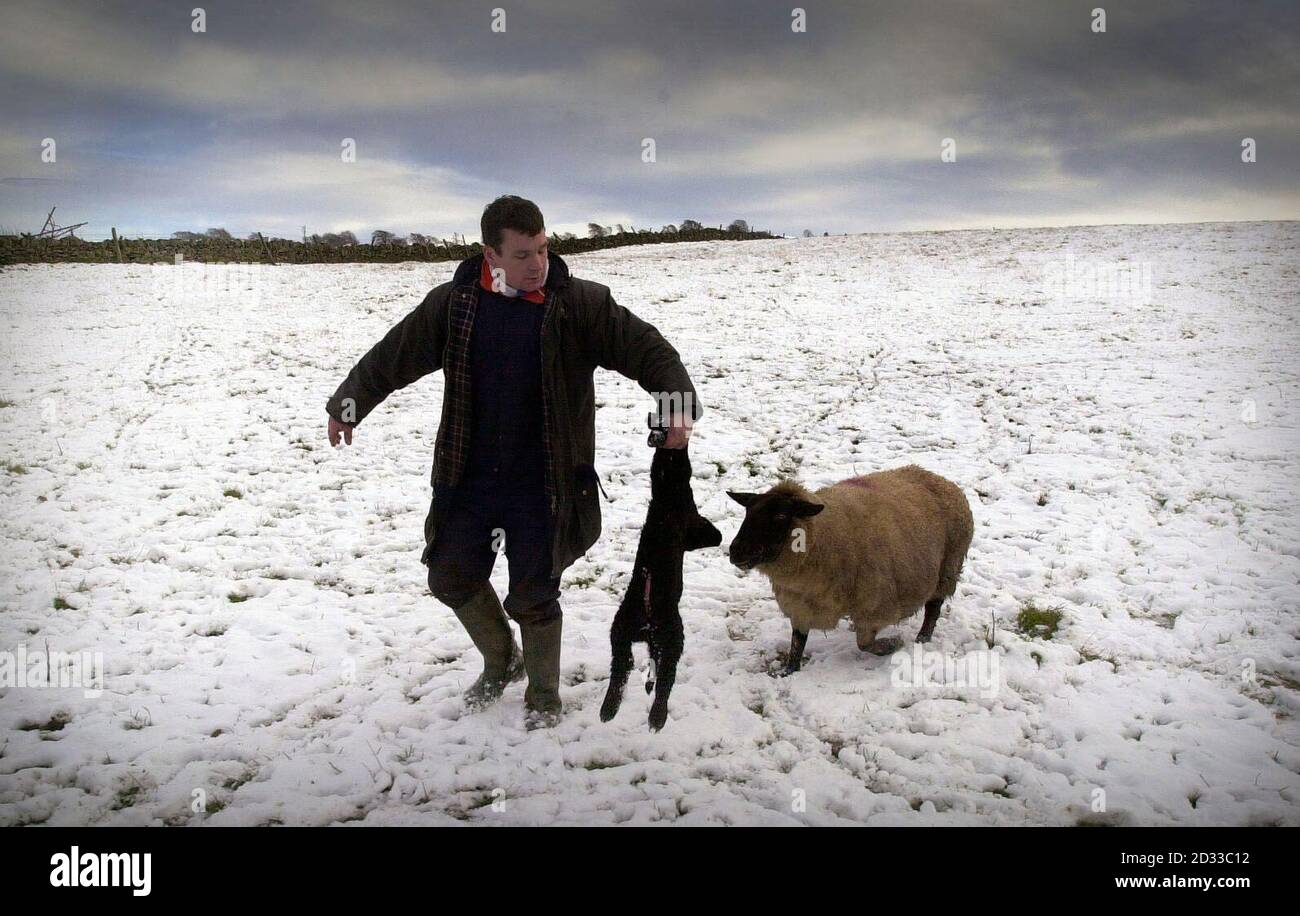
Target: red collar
485,281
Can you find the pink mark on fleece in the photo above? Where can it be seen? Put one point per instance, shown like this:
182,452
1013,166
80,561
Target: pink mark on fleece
863,482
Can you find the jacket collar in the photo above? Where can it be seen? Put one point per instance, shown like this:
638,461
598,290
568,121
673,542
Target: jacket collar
470,269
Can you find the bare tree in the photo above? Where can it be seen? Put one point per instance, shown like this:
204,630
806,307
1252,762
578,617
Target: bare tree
596,231
738,225
690,225
670,229
807,233
381,237
218,234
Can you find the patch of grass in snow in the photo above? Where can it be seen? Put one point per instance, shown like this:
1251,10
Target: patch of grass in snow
54,723
991,631
234,782
214,806
231,491
14,468
1094,822
213,629
61,605
407,755
83,465
1036,622
31,820
600,764
321,714
5,402
235,598
1087,655
1277,679
125,797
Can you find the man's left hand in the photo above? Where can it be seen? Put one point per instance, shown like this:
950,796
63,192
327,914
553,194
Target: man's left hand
679,433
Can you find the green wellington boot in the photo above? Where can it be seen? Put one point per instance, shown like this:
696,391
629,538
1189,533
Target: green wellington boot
542,662
485,621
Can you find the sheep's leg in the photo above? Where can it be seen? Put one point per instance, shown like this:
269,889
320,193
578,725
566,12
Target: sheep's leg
620,641
798,641
931,618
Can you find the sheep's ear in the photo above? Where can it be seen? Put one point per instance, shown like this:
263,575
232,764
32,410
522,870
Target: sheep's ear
801,508
745,499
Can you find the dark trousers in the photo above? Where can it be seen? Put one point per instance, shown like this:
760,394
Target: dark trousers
479,521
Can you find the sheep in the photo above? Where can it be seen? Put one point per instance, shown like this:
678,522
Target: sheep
873,549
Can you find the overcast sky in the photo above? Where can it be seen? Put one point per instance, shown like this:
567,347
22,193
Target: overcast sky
838,129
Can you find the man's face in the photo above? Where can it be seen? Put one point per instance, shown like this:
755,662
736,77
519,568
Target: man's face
522,256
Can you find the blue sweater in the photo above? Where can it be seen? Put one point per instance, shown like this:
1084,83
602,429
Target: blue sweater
506,458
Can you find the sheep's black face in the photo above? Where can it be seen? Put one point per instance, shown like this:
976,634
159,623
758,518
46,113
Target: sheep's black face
769,520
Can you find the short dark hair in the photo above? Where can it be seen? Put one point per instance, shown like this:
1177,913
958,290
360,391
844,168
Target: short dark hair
510,212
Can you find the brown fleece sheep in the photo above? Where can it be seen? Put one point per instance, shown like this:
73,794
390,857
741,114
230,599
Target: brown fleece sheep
874,549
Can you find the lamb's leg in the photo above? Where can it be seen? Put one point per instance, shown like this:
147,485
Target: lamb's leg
931,618
666,675
620,641
798,641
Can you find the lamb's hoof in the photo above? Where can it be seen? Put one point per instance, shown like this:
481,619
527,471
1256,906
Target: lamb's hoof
609,709
923,637
885,645
658,716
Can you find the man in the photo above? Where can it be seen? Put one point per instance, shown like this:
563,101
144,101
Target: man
518,339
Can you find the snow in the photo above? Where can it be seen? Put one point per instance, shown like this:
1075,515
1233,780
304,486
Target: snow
272,655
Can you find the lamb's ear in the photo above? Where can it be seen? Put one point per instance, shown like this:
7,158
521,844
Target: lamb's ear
745,499
801,508
700,533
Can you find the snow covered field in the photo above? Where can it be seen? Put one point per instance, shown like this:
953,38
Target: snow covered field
1119,404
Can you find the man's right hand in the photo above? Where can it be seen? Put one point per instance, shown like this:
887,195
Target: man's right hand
339,430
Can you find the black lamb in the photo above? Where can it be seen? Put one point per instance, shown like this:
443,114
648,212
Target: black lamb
649,611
